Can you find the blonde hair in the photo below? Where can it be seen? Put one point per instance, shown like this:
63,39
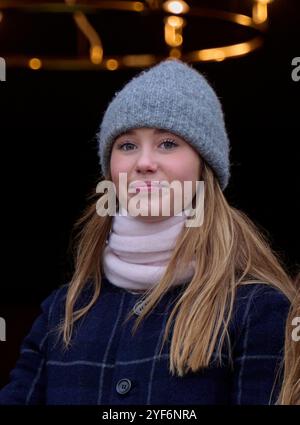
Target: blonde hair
229,251
290,390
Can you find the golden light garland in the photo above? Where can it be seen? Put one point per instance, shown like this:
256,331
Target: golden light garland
174,12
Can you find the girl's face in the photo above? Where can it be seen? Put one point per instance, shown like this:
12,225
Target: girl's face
150,154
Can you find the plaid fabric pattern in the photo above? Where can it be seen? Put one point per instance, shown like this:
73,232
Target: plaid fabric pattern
106,364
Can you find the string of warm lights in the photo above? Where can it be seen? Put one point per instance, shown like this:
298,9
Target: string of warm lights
174,14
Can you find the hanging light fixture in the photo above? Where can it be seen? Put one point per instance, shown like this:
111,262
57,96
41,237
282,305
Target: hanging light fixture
175,17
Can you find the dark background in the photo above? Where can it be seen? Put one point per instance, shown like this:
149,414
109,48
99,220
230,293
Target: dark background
49,160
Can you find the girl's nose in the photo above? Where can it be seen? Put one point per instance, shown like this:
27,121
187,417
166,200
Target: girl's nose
146,161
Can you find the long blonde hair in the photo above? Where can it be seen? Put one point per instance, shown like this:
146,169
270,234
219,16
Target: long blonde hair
290,390
229,251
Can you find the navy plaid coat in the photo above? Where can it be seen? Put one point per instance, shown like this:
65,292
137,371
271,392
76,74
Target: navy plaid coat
107,365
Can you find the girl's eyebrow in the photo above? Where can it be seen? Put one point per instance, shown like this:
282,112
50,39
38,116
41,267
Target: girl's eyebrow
133,132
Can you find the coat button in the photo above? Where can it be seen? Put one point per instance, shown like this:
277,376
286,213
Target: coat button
138,307
123,386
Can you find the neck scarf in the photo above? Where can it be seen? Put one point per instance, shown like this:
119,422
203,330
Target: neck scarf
137,252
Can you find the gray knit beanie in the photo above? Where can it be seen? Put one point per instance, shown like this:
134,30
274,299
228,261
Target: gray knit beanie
173,96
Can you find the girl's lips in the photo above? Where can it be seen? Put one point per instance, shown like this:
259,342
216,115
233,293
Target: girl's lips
148,188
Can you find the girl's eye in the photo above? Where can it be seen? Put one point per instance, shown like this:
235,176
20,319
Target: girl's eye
124,144
169,142
172,143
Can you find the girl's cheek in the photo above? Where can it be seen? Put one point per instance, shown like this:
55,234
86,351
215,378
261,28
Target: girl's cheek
121,163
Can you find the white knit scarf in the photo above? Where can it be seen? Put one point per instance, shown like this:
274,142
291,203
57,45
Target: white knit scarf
137,252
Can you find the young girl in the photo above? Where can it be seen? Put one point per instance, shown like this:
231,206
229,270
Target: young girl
158,311
290,391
